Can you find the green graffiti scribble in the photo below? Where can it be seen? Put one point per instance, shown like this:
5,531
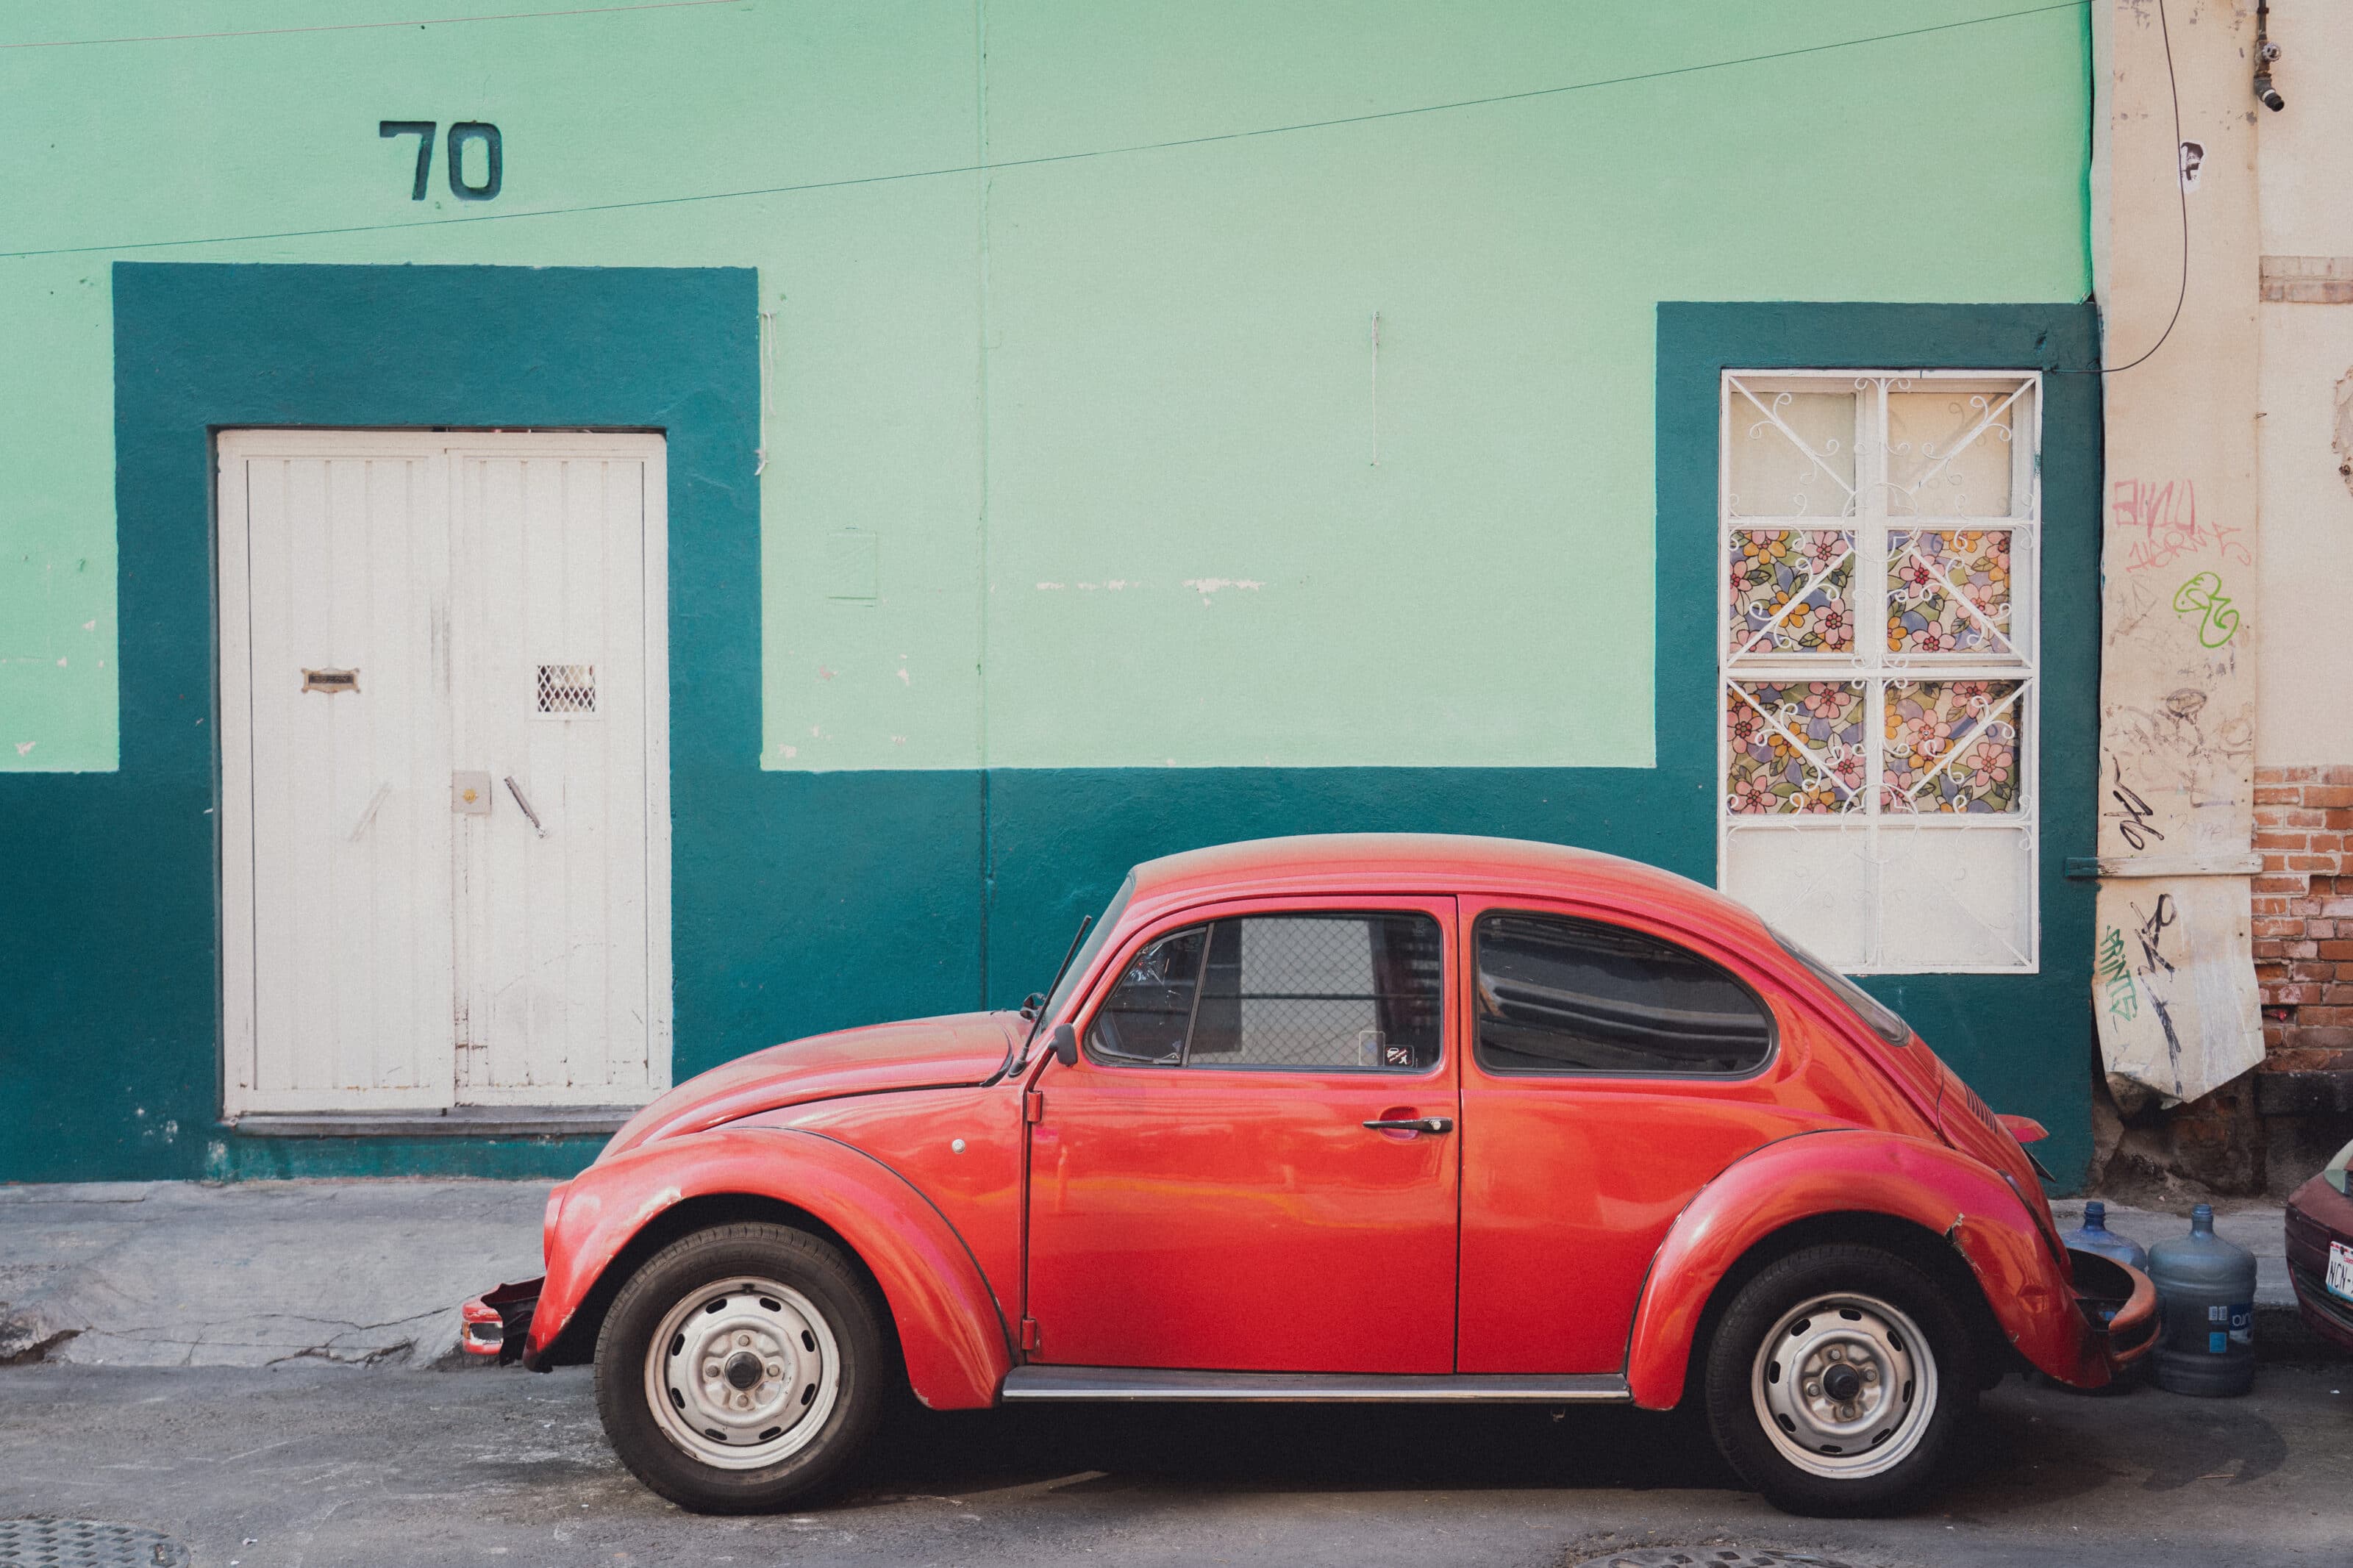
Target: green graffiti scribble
2203,596
2115,978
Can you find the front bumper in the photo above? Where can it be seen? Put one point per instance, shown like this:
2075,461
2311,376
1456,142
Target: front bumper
2330,1317
2318,1215
497,1323
2119,1308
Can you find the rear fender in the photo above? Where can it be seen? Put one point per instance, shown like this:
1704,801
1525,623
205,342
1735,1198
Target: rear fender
950,1331
1944,1193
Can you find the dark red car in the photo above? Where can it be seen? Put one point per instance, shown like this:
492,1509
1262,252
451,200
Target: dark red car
1342,1118
2320,1251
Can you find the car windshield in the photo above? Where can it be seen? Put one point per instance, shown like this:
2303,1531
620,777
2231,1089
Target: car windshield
1869,1008
1097,934
2335,1173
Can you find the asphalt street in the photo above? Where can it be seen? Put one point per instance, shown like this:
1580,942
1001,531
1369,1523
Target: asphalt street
317,1464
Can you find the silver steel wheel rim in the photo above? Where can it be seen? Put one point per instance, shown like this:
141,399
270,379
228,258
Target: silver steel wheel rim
742,1372
1845,1386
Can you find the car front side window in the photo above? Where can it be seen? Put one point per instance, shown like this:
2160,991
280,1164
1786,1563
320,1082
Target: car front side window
1327,992
1562,995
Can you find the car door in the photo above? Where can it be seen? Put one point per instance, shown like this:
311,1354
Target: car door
1614,1069
1204,1190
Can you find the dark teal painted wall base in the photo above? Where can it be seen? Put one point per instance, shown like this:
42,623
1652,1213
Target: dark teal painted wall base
229,1158
805,902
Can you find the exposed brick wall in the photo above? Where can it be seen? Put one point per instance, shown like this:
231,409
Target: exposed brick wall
2304,915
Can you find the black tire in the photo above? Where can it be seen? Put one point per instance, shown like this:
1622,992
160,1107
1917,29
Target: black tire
720,1280
1849,1417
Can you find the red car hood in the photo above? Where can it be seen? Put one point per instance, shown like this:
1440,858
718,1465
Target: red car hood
926,1053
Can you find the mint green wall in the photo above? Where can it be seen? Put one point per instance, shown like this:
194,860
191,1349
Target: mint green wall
1149,368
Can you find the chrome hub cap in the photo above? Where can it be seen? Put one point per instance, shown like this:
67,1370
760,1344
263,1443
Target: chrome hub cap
1845,1386
742,1373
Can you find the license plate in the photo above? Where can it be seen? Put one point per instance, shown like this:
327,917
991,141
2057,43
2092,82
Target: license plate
2340,1270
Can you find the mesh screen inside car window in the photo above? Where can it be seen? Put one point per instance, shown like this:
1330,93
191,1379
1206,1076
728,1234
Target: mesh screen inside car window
1327,992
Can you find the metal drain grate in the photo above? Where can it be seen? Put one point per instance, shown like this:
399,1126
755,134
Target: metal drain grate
85,1543
1707,1557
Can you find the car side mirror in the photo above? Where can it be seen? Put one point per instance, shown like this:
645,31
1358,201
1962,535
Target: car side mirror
1064,1043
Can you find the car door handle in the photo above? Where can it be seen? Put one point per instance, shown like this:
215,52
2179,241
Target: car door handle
1413,1124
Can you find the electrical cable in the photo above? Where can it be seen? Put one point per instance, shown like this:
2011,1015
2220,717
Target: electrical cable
1042,159
2181,194
366,27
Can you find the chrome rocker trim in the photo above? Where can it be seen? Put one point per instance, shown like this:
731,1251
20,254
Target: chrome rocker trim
1125,1383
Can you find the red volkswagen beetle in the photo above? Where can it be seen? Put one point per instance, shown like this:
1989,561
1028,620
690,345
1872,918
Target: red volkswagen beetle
1350,1118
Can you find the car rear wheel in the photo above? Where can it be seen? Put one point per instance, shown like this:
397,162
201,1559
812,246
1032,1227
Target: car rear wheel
1837,1381
742,1368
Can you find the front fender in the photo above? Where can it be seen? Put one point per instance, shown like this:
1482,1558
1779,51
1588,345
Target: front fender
1946,1193
950,1331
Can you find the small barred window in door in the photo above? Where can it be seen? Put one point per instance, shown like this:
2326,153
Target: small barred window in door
1877,744
568,688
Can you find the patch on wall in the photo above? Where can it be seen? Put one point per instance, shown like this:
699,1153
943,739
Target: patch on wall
2343,441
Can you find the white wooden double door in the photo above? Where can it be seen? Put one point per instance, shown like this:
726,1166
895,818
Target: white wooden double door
444,780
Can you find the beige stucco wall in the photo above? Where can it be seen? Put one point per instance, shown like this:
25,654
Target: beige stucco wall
2178,687
2174,987
2228,539
2304,661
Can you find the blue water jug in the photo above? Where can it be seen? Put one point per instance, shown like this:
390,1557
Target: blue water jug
2206,1294
2094,1236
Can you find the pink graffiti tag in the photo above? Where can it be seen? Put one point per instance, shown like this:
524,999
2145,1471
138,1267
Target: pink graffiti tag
2162,524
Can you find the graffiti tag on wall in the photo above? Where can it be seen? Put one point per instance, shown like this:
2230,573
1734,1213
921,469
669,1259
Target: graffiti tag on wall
2202,597
2114,977
2160,521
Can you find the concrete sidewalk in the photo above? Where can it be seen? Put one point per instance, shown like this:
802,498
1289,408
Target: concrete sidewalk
260,1273
253,1274
2256,1224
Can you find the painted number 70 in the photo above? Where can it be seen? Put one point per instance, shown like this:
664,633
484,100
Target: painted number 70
464,132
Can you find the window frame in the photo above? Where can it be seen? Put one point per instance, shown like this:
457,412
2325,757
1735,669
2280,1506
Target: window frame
1617,920
1439,908
1868,662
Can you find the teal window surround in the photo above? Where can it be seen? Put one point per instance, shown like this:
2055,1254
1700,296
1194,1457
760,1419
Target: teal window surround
2019,1039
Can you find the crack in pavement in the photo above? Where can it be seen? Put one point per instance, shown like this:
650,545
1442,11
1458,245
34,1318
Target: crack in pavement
35,1340
30,1351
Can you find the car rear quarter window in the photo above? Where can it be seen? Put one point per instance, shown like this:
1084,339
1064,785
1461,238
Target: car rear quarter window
1561,995
1324,993
1881,1019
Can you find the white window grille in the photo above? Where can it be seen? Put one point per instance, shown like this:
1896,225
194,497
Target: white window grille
1876,737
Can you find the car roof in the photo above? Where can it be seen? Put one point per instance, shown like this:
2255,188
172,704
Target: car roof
1431,862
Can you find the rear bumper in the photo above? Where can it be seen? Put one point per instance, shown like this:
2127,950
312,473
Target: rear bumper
2119,1306
497,1323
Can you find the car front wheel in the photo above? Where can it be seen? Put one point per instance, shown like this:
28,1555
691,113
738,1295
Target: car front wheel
1838,1379
742,1368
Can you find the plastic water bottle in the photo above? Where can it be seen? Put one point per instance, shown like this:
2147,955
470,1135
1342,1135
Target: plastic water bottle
2094,1236
2206,1291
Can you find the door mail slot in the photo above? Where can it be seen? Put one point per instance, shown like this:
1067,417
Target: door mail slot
331,680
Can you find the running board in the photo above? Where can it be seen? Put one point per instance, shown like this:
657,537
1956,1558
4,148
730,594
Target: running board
1120,1383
